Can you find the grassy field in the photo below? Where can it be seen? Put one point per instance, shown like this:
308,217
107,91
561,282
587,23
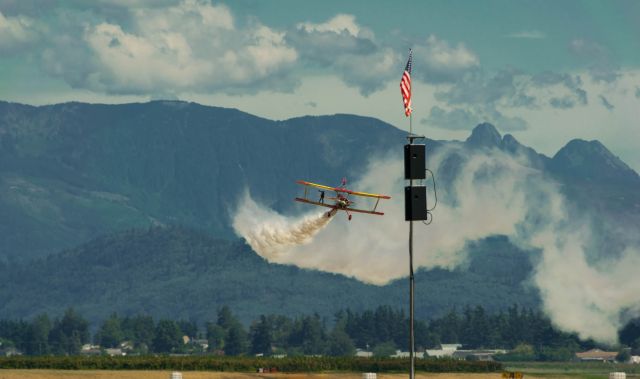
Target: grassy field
88,374
100,374
540,370
586,370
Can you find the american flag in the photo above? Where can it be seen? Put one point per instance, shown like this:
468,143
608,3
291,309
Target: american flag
405,86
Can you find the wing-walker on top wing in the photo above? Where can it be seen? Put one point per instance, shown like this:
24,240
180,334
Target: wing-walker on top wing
341,201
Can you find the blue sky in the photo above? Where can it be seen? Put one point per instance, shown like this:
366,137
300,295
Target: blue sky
545,71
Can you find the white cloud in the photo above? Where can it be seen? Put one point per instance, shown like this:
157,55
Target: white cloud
194,46
369,71
191,46
341,23
167,49
442,62
15,32
269,51
348,49
325,42
354,54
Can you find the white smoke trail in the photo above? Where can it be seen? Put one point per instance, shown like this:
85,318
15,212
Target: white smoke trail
585,298
493,193
373,249
272,235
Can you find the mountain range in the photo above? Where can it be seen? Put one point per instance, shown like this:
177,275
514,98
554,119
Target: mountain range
127,208
72,172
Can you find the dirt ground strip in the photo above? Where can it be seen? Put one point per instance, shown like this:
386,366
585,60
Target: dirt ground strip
88,374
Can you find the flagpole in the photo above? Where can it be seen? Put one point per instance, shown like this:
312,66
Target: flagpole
411,279
405,90
411,122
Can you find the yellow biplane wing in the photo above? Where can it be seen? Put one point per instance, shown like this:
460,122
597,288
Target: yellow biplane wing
343,190
303,200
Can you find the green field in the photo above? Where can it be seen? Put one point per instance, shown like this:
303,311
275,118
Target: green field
587,370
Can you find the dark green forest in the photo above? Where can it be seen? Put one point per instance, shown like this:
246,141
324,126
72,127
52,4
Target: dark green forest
180,273
526,333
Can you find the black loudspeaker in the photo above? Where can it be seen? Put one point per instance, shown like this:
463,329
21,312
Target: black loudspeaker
414,161
415,203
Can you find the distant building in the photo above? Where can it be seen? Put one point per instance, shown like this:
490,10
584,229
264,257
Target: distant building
126,345
479,355
363,353
445,350
405,354
9,352
88,349
114,352
635,359
202,343
451,350
597,355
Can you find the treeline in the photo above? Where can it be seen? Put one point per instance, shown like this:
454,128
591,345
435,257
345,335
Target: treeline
384,330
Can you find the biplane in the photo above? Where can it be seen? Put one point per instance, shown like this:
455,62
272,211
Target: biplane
341,200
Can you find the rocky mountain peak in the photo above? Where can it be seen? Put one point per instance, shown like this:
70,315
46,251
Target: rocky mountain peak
591,159
484,135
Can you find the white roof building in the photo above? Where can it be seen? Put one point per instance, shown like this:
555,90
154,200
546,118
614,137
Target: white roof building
445,350
405,354
363,353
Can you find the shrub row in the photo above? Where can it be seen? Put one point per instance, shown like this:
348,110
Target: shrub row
243,364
